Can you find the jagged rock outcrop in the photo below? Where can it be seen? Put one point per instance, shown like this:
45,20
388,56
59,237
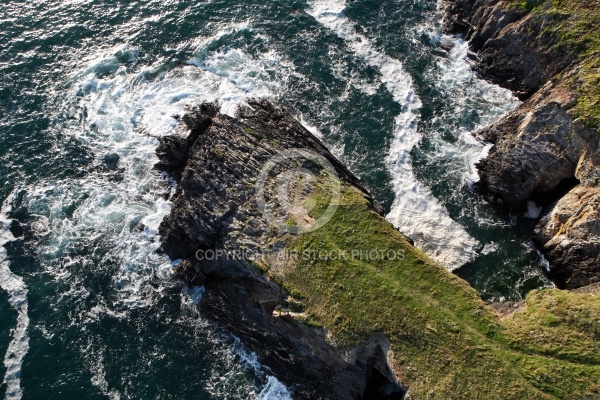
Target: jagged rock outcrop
514,50
541,149
217,161
570,236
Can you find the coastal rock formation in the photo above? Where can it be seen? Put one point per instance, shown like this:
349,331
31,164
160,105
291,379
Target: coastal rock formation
542,149
217,161
539,153
570,236
513,48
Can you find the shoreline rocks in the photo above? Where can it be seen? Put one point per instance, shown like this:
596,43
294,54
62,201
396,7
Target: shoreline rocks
542,152
513,48
331,328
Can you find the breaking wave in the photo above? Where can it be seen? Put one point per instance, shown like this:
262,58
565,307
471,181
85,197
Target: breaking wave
415,211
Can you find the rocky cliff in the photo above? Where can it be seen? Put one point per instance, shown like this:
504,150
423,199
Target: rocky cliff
334,301
217,161
547,150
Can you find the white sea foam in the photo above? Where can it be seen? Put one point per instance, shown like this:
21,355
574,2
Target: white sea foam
490,248
17,292
350,76
227,378
202,45
545,263
456,79
415,211
311,128
123,113
193,295
99,377
459,81
274,390
241,75
533,211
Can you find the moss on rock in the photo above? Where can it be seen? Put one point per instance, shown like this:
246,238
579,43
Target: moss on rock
576,24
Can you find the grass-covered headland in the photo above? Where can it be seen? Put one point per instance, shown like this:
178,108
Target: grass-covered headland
361,276
446,342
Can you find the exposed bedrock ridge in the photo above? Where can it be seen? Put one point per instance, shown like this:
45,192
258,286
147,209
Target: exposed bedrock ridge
216,160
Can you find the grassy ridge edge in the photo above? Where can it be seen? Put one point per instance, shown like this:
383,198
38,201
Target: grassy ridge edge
446,342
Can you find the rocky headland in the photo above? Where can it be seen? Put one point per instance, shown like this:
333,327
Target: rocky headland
350,310
217,161
547,150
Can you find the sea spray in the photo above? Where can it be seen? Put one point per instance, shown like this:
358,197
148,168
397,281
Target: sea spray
120,113
17,294
415,211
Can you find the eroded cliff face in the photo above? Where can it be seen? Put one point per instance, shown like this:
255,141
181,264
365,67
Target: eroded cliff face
217,161
513,48
571,236
542,150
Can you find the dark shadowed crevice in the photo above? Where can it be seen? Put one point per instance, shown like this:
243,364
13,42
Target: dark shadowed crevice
380,387
544,199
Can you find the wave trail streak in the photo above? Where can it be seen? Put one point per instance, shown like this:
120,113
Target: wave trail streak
415,211
17,293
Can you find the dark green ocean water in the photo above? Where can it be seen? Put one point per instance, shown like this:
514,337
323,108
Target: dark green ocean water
87,307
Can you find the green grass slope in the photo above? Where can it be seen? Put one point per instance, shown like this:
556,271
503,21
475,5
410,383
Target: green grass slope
446,342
